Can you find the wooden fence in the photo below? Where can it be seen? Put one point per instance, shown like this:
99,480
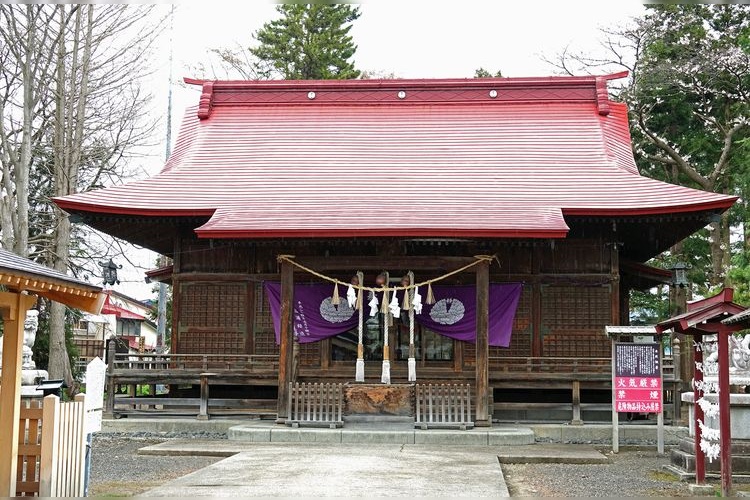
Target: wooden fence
52,448
443,406
316,405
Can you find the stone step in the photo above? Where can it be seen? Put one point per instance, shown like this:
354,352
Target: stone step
685,461
383,433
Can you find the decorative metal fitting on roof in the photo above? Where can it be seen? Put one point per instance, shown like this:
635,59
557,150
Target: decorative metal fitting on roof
401,94
493,93
311,95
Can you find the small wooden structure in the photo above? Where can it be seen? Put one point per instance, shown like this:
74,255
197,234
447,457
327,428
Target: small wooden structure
405,176
52,448
707,317
24,280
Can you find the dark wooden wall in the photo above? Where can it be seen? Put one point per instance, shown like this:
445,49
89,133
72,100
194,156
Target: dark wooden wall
571,291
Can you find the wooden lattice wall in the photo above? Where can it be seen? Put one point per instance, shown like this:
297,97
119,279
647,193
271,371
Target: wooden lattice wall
213,317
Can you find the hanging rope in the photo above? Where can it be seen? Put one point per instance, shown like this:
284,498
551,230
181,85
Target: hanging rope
385,376
479,258
412,362
359,375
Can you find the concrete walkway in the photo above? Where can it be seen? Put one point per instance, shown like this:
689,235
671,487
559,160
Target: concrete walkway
345,470
265,459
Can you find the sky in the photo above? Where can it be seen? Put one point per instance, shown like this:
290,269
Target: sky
408,38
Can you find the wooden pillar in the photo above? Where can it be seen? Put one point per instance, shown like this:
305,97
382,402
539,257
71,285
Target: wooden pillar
576,398
725,430
286,345
483,418
203,410
615,284
13,307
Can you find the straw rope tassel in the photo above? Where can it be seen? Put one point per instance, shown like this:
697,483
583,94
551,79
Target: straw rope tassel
385,376
335,299
359,374
412,362
430,299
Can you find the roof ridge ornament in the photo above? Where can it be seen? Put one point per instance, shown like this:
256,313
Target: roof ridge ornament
602,96
206,100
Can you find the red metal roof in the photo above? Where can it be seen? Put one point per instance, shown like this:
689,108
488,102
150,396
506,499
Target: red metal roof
110,307
704,315
437,158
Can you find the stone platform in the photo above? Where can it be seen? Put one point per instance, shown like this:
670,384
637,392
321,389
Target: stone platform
403,431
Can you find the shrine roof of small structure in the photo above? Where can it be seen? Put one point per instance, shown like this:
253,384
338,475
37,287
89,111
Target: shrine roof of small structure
741,318
19,274
479,158
703,315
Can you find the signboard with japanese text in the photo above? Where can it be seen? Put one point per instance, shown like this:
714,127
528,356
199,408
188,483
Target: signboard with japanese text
637,378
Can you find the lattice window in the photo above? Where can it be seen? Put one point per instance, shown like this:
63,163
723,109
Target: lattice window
213,305
573,321
263,319
575,307
213,318
265,343
203,342
264,336
309,354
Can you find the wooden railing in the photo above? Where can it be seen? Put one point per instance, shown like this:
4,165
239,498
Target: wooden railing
565,367
319,405
52,448
197,362
443,406
143,373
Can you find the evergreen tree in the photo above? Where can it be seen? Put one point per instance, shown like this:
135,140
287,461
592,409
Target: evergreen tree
689,101
309,42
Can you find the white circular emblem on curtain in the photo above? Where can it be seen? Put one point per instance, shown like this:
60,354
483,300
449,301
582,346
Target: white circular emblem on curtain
447,311
335,314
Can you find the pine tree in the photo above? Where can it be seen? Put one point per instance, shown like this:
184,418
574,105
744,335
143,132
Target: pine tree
309,41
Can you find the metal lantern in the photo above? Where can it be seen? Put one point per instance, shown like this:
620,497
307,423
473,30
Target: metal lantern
109,272
679,274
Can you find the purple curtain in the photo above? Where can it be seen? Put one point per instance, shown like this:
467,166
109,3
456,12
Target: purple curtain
315,317
452,315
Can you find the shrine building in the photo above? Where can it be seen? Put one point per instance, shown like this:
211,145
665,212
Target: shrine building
513,207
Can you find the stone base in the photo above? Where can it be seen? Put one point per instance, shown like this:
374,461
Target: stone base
683,458
739,410
379,399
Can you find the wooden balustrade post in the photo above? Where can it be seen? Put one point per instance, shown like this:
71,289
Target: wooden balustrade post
109,405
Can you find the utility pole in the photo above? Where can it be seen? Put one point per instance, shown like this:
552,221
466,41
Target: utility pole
161,316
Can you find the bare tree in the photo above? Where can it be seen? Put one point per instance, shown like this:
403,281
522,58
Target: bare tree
72,114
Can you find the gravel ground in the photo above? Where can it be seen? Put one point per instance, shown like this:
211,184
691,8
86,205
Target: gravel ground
630,473
117,470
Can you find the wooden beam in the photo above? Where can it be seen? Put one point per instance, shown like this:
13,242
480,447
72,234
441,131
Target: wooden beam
286,344
14,314
378,263
483,418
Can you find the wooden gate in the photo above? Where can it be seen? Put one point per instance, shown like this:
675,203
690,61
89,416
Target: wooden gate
51,448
